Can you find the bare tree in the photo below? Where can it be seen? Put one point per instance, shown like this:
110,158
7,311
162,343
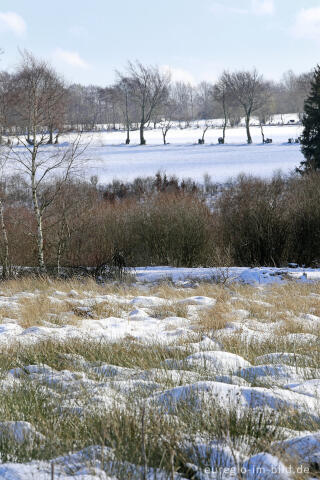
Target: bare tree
110,96
183,95
249,89
4,77
56,100
204,100
122,88
167,113
264,113
208,124
295,89
5,101
4,81
148,89
165,125
36,161
5,250
223,96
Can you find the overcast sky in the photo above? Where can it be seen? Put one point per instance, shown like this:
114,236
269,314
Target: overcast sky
88,40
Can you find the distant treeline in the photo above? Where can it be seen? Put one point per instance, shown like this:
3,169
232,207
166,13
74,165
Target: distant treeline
142,96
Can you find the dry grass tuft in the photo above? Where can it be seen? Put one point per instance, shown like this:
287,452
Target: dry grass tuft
109,309
214,318
170,309
40,309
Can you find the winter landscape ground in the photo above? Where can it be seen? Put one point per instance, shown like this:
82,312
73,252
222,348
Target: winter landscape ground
160,240
110,158
175,374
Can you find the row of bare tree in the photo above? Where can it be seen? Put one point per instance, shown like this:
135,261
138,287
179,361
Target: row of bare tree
142,96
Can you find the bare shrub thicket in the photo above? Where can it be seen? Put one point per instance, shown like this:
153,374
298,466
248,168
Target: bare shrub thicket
251,219
162,221
82,226
270,222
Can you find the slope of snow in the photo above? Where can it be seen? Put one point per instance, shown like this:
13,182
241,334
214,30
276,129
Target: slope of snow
111,158
252,276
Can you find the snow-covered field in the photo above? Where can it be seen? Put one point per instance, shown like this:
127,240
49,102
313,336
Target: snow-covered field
160,380
110,158
251,276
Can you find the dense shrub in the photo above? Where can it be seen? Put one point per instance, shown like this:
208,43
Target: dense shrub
250,218
303,216
248,221
172,229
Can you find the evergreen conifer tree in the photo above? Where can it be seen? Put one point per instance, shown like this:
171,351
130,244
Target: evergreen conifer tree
310,139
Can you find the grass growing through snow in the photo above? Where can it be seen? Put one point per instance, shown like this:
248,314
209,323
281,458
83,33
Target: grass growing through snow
135,430
140,435
170,309
60,355
40,309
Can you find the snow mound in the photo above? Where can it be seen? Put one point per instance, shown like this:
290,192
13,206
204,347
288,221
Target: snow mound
206,301
202,394
219,362
280,374
309,387
147,301
282,357
19,432
305,448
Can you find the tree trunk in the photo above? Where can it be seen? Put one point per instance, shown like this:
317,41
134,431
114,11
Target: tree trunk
128,133
203,134
224,129
225,114
38,215
5,263
249,139
262,132
164,138
50,141
142,139
127,120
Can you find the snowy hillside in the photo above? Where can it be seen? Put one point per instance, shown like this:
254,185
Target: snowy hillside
110,158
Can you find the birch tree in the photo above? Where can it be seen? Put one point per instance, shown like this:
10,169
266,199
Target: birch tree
4,234
37,161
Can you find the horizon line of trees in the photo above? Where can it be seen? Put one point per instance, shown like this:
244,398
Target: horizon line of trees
144,96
